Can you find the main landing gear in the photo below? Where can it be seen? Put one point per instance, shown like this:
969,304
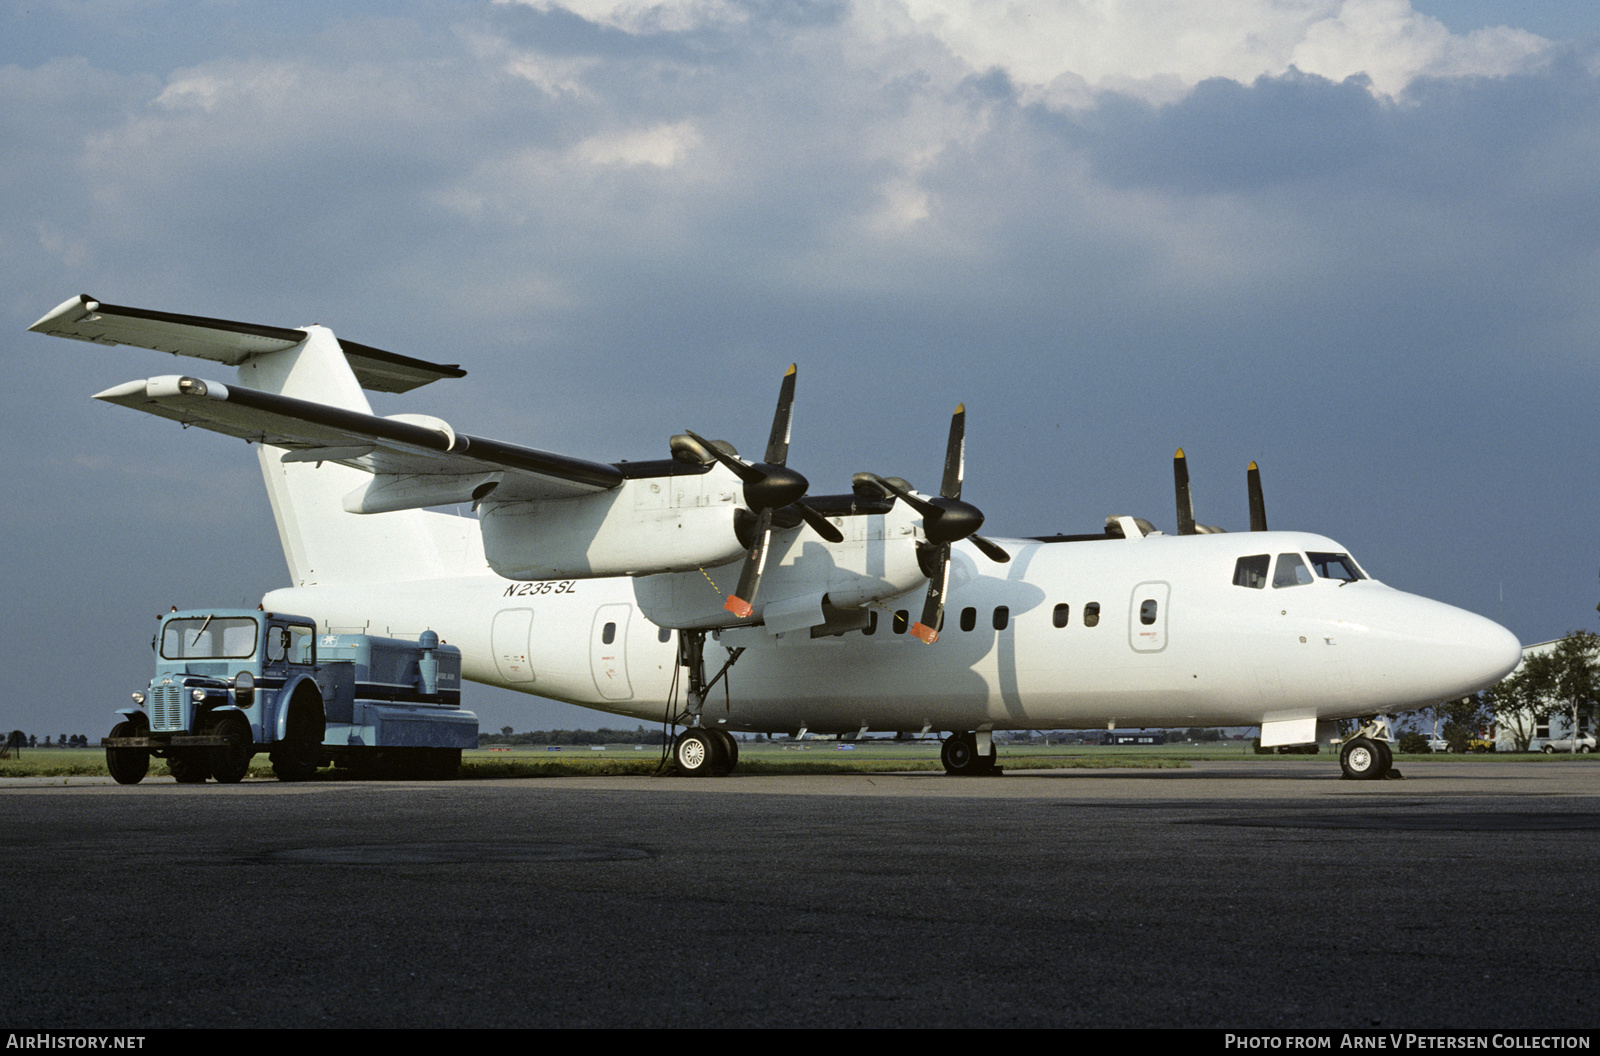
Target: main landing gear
1367,755
700,751
969,755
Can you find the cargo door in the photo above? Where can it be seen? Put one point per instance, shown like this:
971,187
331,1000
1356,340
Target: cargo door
510,638
608,652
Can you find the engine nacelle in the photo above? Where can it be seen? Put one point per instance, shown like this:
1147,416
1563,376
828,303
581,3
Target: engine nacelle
808,581
648,525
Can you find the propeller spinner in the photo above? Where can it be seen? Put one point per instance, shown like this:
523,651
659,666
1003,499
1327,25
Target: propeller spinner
768,486
945,520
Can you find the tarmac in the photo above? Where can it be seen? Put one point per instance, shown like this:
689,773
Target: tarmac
1232,895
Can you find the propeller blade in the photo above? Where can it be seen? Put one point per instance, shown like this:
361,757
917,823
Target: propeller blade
955,455
927,629
1258,503
778,441
991,551
819,524
755,561
1180,478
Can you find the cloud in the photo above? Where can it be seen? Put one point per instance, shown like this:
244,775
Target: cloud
1066,51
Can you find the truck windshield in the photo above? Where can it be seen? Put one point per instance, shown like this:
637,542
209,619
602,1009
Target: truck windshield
209,638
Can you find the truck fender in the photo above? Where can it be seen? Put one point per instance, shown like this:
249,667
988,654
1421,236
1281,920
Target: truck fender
303,714
222,709
136,716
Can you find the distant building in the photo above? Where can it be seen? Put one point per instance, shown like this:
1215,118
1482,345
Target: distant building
1557,723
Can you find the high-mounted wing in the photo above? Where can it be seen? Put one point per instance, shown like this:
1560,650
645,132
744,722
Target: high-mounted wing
224,341
422,452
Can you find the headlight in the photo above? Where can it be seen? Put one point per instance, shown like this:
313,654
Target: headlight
197,695
138,698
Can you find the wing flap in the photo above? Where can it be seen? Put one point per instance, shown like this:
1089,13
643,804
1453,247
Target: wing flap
385,447
83,318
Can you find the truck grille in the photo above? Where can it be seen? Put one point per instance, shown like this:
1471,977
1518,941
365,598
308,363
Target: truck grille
167,709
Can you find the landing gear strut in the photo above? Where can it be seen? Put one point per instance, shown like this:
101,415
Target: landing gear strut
1367,755
700,750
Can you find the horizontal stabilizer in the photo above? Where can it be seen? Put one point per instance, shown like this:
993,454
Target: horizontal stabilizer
411,446
223,341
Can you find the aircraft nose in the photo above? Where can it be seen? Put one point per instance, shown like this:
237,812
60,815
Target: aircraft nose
1465,652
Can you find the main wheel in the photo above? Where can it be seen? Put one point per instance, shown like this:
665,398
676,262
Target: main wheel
230,762
960,757
1361,760
127,765
695,752
727,753
189,766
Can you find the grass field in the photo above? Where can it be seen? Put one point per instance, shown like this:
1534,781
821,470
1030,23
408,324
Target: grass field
811,757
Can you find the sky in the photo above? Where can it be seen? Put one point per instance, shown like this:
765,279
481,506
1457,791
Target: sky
1357,241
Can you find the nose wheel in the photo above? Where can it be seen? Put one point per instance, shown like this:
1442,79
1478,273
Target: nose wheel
1367,756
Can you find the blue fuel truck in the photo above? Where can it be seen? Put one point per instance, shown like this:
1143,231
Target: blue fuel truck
233,682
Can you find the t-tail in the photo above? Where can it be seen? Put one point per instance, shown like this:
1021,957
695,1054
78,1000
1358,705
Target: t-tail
323,544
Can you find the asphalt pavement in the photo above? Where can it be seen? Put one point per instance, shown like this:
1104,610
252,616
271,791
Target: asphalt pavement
1232,895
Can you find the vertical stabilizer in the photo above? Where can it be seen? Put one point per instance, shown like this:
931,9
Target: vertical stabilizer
322,543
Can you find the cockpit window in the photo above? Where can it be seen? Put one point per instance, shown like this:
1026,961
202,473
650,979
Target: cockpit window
1291,572
1335,566
1251,571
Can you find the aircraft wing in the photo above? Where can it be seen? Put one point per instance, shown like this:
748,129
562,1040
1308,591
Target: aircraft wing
416,460
224,341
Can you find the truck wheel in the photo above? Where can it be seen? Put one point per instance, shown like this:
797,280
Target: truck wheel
231,762
292,763
127,765
189,766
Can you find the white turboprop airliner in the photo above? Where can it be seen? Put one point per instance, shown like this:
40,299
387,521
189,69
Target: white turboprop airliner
619,587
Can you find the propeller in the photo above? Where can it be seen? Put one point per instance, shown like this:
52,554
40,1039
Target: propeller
945,520
769,486
1186,521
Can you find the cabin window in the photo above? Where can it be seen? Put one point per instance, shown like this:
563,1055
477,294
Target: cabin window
608,634
1091,614
1147,611
872,623
1335,566
1002,615
969,618
902,620
1291,572
1251,571
1061,615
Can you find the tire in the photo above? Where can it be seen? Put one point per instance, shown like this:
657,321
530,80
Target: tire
127,765
189,766
231,762
297,756
1583,749
1361,760
1549,750
695,752
292,763
960,757
727,753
